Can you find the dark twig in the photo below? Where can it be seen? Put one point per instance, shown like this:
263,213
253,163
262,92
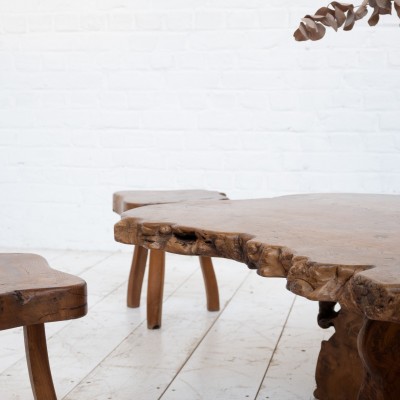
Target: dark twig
337,15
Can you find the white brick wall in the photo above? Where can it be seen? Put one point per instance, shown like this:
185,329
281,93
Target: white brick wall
102,95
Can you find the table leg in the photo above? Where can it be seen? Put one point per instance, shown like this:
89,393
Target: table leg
379,347
136,275
155,289
210,283
339,371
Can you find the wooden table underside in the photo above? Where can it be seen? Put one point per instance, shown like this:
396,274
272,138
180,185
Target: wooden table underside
331,248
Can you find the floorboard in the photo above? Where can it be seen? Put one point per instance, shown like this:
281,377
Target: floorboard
290,375
144,364
231,360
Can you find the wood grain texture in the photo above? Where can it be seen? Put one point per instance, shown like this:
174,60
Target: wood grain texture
33,293
130,199
337,248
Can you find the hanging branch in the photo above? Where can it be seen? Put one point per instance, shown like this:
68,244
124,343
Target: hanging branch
338,14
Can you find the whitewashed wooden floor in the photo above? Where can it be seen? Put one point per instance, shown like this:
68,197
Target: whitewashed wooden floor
263,344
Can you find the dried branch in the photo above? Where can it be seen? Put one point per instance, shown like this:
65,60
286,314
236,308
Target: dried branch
336,15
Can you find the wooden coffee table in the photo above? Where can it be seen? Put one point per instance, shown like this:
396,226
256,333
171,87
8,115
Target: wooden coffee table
335,249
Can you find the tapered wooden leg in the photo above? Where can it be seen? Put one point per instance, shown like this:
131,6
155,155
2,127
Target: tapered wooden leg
38,362
379,347
155,289
210,283
136,275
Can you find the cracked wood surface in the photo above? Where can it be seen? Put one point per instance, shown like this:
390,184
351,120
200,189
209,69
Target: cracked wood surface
33,293
330,247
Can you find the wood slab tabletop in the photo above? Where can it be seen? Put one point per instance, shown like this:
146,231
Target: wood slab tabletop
330,247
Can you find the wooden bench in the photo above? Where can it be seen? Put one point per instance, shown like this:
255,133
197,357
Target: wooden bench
127,200
31,294
336,249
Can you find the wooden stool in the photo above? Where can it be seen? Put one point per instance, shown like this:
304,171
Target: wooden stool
127,200
31,293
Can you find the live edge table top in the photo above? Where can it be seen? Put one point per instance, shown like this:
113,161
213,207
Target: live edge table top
331,247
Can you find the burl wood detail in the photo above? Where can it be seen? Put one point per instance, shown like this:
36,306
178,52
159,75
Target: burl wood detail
31,294
331,248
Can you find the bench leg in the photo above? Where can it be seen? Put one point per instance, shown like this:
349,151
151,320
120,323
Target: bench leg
136,275
38,362
210,283
155,289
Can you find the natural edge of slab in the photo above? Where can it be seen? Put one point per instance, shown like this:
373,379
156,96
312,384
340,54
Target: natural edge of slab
346,284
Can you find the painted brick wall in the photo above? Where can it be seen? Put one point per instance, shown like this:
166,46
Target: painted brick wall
102,95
